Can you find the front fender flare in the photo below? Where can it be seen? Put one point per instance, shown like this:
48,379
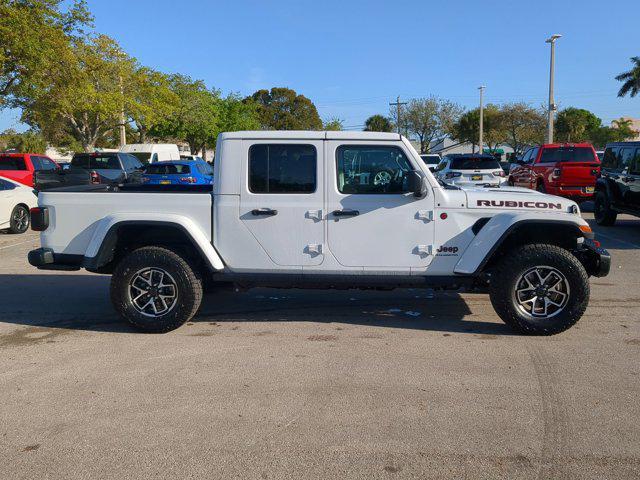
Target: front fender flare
498,228
105,236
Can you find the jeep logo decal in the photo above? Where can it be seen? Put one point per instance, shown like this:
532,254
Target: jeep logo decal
447,249
514,204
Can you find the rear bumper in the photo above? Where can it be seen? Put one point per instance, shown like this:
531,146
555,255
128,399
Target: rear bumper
45,259
596,260
571,191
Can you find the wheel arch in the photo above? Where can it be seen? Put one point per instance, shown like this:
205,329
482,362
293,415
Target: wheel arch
112,241
496,240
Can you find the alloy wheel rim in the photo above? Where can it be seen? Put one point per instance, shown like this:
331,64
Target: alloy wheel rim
542,292
153,292
21,219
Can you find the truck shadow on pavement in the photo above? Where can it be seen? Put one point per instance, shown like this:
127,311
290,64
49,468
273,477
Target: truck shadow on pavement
81,302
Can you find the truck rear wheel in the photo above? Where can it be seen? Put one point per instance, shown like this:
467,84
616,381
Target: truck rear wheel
155,289
539,289
602,211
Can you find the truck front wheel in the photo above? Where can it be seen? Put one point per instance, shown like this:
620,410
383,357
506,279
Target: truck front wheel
155,289
539,289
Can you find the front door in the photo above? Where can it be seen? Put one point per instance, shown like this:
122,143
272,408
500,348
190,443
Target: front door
282,200
373,218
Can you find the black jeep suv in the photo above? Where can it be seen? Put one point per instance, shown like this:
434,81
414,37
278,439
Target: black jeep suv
618,188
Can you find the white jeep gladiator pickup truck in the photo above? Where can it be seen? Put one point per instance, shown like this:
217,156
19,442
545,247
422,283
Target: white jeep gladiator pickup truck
322,210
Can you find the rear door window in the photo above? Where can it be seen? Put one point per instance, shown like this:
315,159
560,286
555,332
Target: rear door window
44,163
12,163
282,168
625,157
96,162
634,169
610,159
568,154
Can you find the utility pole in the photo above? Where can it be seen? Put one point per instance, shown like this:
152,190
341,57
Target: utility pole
552,105
481,139
398,104
123,132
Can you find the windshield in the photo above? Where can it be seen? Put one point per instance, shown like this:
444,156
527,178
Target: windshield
474,163
568,154
142,156
96,162
170,169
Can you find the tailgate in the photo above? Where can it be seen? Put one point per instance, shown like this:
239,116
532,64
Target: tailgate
579,173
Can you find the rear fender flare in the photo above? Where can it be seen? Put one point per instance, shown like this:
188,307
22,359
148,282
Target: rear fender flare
105,236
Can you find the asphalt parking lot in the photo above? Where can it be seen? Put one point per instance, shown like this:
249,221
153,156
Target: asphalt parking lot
316,384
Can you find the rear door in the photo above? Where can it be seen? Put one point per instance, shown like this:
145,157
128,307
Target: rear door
634,181
626,180
46,173
7,201
374,220
611,171
281,200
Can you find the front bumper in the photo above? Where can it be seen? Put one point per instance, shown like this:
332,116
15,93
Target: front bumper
45,259
596,260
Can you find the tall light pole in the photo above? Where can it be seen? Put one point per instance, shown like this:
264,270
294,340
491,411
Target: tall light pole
398,104
552,105
481,139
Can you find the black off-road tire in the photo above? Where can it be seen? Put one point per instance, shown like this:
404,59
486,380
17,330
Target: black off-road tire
188,288
602,211
508,272
20,219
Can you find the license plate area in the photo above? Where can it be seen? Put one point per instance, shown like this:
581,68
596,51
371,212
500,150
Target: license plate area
589,189
165,182
476,178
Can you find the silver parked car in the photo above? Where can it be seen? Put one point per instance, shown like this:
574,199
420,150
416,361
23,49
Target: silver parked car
470,170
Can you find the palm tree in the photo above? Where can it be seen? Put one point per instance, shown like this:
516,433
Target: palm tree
631,79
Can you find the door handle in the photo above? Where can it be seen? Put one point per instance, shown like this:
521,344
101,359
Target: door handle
269,212
346,213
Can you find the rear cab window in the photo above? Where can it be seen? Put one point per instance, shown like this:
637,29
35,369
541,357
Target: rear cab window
282,168
96,162
12,163
610,159
568,154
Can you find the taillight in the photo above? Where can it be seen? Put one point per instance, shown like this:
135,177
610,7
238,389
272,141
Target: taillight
452,174
188,180
39,218
557,172
95,178
499,173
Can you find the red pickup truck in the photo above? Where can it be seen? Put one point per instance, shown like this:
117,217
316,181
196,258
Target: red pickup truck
20,166
565,169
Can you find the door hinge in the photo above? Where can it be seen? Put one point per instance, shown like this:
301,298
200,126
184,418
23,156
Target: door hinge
314,214
313,249
423,250
426,215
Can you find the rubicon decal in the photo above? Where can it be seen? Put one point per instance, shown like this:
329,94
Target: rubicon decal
514,204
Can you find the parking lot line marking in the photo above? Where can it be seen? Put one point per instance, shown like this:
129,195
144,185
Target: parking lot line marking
634,245
15,244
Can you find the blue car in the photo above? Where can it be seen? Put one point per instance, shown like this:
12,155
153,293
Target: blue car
183,172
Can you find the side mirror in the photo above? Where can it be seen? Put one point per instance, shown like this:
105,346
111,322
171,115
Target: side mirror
417,184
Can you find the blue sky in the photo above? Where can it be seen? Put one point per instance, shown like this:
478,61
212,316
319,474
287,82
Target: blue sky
353,57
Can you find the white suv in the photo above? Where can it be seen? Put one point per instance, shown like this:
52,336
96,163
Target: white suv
471,170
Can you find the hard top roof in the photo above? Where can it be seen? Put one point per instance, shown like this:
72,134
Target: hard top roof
308,135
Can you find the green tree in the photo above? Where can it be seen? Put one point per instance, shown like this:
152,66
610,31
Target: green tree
30,141
429,119
150,100
35,37
333,124
196,119
522,125
619,132
467,128
631,79
284,109
85,96
378,123
576,125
